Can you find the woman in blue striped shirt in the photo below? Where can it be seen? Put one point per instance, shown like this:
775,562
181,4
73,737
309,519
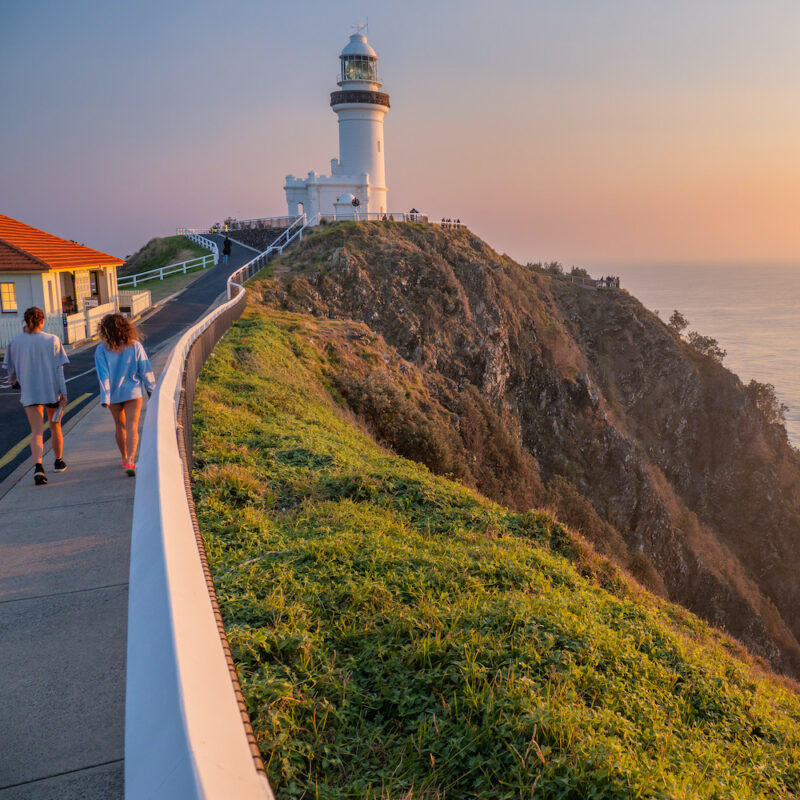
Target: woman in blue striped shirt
124,373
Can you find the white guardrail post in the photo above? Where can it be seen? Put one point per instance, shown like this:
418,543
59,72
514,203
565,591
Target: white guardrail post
184,734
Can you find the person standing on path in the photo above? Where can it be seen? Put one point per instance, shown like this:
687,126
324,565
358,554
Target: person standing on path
123,371
226,249
35,360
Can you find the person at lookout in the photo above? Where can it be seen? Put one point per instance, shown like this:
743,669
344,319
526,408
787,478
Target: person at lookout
226,249
124,373
35,360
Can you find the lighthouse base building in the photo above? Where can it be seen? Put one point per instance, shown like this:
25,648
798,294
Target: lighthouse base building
356,187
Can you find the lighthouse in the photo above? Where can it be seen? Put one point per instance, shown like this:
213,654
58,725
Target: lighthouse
356,187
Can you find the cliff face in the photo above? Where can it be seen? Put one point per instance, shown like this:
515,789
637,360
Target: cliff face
539,392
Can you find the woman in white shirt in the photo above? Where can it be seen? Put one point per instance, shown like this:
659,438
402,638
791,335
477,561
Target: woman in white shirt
124,372
35,360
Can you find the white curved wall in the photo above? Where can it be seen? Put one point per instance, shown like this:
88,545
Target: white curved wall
184,734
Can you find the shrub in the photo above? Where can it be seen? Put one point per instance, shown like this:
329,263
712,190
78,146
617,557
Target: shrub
766,401
677,322
706,346
549,267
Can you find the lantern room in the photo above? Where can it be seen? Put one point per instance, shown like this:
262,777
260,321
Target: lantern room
359,62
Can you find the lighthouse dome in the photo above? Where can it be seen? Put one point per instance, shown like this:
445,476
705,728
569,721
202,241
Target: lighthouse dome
358,46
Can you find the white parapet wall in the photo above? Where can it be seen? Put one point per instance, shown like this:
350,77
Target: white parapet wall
75,328
185,738
136,302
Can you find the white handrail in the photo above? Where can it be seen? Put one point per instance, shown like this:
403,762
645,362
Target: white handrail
184,735
294,231
209,244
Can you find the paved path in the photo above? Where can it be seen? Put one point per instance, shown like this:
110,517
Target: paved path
64,553
64,559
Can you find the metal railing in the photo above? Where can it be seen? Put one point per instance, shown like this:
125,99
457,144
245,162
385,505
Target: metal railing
294,231
287,222
159,273
242,224
356,215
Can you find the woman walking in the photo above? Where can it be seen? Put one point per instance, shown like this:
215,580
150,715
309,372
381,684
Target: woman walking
123,371
35,360
226,249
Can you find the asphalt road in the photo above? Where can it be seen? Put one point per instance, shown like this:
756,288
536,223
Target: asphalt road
172,318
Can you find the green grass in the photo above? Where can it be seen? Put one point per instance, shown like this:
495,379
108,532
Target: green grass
398,636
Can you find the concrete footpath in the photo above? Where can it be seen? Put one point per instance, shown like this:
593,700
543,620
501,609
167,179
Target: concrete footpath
64,562
64,558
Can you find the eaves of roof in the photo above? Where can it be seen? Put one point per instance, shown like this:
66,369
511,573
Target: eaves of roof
29,249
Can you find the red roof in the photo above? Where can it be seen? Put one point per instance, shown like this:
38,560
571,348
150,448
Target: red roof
25,248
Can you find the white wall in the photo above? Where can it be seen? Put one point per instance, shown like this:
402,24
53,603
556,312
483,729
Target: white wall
360,130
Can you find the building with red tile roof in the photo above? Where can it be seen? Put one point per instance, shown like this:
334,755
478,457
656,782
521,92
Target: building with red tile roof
25,248
73,284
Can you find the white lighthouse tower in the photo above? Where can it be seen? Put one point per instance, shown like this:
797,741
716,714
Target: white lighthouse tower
359,173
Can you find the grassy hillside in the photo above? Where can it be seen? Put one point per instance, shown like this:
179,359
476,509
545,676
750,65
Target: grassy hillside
161,251
399,636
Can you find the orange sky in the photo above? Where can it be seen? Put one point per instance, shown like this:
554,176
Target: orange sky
578,131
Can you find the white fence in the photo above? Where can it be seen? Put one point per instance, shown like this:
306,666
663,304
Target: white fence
184,734
75,329
209,244
11,326
134,303
94,315
158,274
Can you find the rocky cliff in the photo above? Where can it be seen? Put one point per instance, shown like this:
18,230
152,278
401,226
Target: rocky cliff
542,393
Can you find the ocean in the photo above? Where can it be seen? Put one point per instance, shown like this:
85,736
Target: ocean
753,310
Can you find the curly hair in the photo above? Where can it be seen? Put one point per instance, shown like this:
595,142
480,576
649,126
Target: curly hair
34,317
117,331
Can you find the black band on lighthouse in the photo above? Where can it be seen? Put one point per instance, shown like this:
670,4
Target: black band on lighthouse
360,96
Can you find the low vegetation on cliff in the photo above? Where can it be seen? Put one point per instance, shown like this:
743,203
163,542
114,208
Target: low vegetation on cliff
399,636
538,392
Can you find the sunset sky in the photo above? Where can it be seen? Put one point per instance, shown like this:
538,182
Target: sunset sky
575,130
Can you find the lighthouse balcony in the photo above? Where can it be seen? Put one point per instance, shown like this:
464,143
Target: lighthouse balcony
359,96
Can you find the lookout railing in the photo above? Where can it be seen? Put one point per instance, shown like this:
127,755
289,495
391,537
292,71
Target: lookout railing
356,215
243,224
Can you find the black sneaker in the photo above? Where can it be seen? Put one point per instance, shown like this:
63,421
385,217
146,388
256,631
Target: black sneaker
39,478
59,465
